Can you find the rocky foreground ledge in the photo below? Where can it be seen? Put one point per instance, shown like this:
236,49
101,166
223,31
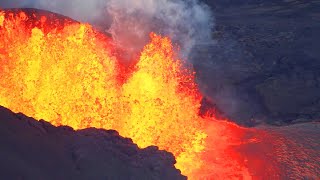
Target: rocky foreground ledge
31,149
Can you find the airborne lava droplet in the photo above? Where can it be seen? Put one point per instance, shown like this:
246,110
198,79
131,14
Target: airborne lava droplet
1,18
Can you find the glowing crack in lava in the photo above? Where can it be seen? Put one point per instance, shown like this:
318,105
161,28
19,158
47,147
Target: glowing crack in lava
69,74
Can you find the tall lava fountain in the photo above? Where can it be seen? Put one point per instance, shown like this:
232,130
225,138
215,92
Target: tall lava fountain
69,74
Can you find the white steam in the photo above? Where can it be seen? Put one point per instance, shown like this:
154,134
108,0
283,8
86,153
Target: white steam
187,22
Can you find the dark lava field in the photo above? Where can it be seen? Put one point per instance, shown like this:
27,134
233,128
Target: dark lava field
264,63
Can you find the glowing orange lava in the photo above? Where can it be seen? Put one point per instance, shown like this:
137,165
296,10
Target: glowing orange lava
69,75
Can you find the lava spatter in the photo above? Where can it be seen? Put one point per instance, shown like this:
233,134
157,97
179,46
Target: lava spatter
68,74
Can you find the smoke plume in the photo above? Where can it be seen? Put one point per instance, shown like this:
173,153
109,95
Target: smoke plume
186,22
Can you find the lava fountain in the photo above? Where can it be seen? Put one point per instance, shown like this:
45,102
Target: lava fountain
67,73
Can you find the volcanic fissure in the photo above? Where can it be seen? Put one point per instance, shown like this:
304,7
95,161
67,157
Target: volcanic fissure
67,73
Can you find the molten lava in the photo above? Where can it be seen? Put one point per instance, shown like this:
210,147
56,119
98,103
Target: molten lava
69,74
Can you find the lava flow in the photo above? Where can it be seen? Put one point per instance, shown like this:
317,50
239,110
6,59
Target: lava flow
69,74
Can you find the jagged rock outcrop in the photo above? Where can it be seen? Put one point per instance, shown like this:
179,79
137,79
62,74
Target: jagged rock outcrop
31,149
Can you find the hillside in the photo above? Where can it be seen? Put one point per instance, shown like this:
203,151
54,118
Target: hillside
264,64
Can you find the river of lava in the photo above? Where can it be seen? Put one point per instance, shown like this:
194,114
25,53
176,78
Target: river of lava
69,74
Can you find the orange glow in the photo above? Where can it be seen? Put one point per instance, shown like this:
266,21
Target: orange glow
70,76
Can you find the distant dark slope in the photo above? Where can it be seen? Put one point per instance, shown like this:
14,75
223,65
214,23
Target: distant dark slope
30,149
265,62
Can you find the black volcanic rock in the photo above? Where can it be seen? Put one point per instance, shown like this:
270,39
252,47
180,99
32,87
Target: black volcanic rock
31,149
265,61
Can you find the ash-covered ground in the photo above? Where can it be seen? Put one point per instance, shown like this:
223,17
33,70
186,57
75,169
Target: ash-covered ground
33,149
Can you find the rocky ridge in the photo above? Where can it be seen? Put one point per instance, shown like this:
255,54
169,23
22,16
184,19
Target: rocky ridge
33,149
